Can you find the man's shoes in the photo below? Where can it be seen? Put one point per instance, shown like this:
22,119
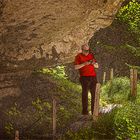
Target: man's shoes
85,117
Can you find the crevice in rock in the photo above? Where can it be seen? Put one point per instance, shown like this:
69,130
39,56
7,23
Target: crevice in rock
2,5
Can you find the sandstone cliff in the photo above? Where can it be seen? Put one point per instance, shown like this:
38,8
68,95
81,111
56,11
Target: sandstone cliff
36,33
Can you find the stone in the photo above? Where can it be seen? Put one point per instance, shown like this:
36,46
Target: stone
34,34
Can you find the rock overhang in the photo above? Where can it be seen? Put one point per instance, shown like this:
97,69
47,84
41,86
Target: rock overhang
49,32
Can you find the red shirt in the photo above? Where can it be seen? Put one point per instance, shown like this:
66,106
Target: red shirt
87,70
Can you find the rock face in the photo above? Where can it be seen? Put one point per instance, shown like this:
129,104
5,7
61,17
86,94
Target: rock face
114,47
48,32
37,33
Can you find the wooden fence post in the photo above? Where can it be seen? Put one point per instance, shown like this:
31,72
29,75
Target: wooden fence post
17,135
133,82
96,103
104,77
111,74
110,82
54,118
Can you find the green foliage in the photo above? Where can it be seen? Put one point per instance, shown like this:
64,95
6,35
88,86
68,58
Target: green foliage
127,121
116,91
68,93
58,72
125,129
64,112
138,93
35,116
130,14
126,47
41,107
82,134
9,128
104,127
134,67
103,102
121,123
135,51
13,113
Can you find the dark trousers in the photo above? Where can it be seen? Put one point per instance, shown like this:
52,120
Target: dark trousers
88,83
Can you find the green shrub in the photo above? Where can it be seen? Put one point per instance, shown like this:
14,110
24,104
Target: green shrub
120,124
104,126
57,72
130,14
127,121
12,113
116,91
82,134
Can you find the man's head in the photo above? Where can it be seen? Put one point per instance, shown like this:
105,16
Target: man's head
85,49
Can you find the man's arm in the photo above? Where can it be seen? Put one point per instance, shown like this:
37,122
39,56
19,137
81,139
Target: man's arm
79,66
94,62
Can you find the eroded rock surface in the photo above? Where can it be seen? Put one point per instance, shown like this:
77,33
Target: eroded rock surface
48,32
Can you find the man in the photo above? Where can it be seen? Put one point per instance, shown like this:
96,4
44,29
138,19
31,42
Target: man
86,64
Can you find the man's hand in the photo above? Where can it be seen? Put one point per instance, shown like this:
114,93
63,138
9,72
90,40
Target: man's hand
96,65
